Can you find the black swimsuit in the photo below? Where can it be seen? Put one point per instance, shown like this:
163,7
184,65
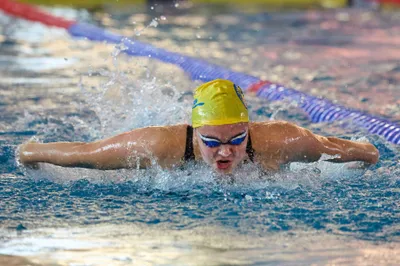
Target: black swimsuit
189,152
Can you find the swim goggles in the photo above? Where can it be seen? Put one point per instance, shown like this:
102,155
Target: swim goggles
213,143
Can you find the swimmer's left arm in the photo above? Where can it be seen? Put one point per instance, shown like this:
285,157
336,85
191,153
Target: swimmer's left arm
303,145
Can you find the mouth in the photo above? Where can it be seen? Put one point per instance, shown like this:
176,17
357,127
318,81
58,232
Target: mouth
224,164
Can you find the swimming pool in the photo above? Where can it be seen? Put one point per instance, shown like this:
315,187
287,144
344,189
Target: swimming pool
56,89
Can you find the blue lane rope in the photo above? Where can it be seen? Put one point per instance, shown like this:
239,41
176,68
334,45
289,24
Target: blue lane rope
318,110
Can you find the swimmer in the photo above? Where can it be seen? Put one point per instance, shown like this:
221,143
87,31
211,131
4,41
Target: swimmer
221,135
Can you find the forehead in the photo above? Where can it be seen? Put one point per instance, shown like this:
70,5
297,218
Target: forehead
223,131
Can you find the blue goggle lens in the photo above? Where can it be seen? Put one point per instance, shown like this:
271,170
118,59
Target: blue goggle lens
212,143
237,141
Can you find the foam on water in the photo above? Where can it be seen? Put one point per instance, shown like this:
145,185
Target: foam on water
123,104
246,179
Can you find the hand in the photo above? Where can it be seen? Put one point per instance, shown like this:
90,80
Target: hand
23,159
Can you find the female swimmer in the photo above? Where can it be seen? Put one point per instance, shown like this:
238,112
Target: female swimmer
220,135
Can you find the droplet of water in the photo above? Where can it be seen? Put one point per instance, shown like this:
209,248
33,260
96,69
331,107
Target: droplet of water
153,23
249,198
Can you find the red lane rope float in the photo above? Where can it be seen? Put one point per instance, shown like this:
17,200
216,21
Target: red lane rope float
29,12
255,87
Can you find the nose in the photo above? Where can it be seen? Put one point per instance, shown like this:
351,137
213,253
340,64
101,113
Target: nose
225,150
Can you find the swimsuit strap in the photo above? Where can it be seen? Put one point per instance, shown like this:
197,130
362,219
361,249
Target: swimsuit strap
189,152
250,150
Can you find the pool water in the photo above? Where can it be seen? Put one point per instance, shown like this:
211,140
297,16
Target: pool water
55,88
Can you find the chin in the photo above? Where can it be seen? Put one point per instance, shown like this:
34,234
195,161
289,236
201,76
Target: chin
225,171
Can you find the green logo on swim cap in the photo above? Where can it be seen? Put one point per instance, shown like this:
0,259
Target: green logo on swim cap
195,104
240,94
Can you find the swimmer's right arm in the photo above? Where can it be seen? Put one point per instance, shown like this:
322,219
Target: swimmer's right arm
134,149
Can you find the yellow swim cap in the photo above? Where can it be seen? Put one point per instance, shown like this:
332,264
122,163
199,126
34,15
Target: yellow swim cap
218,102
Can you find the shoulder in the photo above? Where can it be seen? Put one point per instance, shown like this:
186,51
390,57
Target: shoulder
158,138
167,143
274,141
274,130
277,136
172,135
159,132
167,139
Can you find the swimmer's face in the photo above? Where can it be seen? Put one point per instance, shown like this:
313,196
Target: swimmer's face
224,157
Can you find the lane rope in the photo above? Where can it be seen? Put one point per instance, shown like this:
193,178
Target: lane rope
318,110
